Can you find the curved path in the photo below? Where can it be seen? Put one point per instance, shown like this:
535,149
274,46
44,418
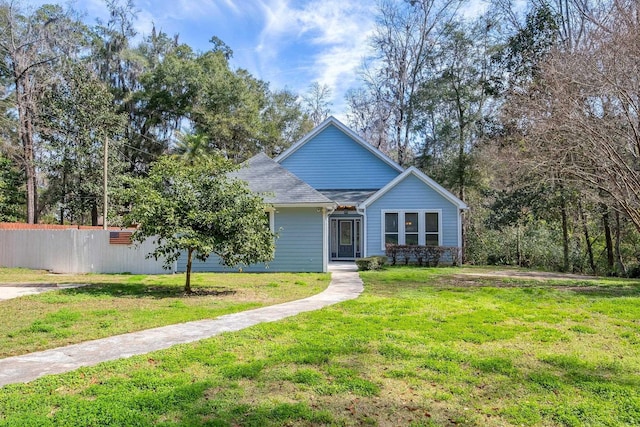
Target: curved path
345,285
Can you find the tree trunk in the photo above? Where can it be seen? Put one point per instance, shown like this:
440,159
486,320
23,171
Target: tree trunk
587,239
32,185
463,238
399,136
25,134
64,194
620,263
94,214
607,238
187,283
565,235
518,251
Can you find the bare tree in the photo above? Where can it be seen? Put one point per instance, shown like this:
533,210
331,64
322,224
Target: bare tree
317,102
405,35
574,18
582,119
369,115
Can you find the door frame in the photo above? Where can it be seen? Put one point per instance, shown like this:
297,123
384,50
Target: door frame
334,237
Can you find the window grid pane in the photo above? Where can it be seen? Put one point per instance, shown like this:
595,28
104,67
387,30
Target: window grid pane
391,223
411,222
432,239
431,222
411,239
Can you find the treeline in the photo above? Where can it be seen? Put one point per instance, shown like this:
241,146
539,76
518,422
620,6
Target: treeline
530,115
71,88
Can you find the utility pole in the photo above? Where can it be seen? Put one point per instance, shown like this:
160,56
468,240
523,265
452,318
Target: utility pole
104,182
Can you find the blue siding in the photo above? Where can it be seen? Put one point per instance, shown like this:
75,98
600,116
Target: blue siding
333,161
410,193
298,248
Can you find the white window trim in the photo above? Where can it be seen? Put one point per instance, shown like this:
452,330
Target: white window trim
421,224
272,221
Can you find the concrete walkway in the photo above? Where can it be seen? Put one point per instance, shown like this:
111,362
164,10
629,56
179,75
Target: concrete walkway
345,285
16,290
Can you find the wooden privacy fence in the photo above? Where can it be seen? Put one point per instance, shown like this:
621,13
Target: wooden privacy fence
73,249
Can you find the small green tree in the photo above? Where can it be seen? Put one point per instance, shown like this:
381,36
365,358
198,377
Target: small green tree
12,195
196,207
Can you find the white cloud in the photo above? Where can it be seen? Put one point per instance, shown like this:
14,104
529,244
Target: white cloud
144,23
474,9
336,32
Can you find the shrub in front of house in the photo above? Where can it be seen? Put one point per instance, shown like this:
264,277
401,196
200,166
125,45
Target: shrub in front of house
371,263
430,256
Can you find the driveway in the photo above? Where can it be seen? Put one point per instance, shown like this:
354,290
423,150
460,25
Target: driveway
15,290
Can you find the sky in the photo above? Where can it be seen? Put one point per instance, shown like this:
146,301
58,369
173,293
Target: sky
288,43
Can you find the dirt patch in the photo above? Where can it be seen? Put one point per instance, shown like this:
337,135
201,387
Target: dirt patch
195,292
582,284
533,275
209,292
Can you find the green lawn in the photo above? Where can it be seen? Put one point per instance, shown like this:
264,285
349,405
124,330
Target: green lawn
116,304
420,347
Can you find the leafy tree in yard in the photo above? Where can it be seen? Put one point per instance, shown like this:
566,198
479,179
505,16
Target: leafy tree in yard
75,119
283,122
12,197
227,105
196,207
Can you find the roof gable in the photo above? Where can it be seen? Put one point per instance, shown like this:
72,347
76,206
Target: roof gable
332,157
354,136
412,171
277,185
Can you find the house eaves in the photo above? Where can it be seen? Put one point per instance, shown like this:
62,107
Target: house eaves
446,194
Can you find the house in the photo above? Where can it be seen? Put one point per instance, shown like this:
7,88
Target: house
335,197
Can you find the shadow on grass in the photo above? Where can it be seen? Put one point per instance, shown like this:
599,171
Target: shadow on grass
139,290
172,403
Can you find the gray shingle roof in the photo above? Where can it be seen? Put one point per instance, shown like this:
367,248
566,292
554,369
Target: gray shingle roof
264,175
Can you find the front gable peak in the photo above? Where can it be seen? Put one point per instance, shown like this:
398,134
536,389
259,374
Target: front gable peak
332,121
429,182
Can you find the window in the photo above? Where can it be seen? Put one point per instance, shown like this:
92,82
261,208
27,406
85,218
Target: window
346,237
411,228
269,219
420,227
431,236
391,228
